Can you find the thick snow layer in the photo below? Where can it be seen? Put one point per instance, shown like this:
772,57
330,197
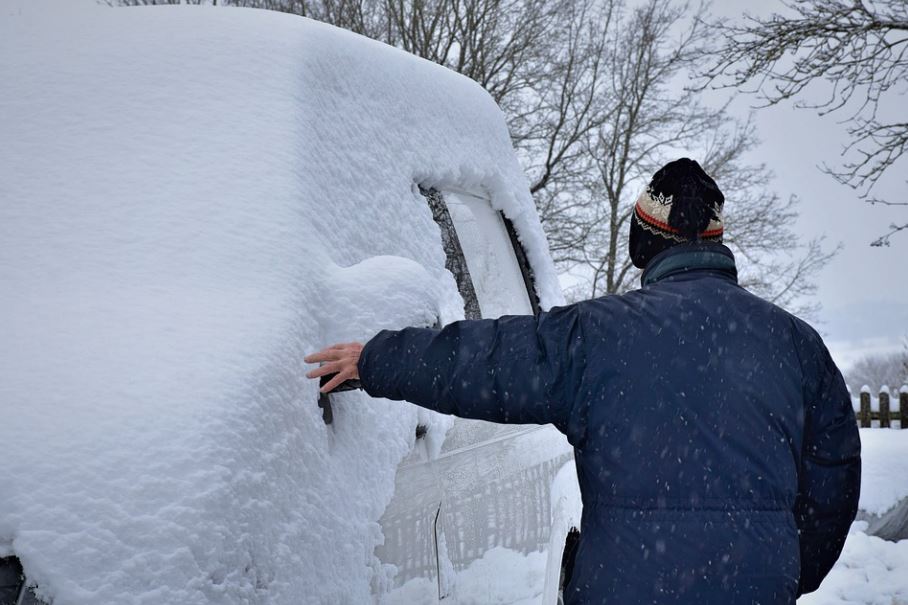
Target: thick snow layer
500,577
190,200
884,469
871,571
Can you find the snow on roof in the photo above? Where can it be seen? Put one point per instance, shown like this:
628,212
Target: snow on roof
190,198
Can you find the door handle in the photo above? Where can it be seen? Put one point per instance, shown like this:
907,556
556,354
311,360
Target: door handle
324,399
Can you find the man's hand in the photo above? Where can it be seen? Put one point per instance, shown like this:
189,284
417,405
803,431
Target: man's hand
340,358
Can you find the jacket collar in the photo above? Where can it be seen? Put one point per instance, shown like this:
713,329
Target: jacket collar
693,256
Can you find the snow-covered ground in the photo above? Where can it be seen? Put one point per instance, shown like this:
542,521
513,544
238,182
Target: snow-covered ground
192,199
873,571
884,472
500,577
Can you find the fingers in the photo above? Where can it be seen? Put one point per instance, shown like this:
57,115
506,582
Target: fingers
336,381
329,354
332,353
328,368
339,359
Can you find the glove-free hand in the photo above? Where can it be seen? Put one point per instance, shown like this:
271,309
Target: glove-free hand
339,359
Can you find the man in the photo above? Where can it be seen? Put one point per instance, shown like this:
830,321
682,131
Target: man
716,447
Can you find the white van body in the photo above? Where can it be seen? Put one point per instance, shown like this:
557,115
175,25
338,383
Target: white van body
191,200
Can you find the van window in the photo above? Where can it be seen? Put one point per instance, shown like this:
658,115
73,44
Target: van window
484,254
455,262
491,269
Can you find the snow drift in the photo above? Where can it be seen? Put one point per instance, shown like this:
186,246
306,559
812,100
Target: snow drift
190,200
884,483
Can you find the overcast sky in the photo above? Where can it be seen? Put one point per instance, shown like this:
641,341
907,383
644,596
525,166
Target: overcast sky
864,290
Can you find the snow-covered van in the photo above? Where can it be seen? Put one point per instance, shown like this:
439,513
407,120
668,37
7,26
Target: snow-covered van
191,200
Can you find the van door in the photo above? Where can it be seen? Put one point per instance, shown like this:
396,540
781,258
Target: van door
482,507
410,526
496,478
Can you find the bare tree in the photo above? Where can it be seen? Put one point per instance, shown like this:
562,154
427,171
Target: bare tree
154,2
570,103
641,62
905,359
877,371
860,47
651,120
776,264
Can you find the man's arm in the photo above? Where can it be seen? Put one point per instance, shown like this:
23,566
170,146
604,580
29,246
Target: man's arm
830,477
516,369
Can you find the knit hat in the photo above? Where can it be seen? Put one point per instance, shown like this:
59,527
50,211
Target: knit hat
681,204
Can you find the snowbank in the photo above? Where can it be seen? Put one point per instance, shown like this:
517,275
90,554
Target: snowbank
884,469
190,200
871,571
884,483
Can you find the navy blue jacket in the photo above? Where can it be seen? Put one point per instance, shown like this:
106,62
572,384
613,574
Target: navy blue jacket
716,446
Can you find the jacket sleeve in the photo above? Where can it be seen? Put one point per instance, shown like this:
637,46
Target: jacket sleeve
830,474
516,369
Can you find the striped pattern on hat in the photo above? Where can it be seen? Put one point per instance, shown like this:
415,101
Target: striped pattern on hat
653,213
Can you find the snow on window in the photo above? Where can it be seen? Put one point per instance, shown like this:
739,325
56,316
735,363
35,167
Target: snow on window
490,256
475,235
492,274
455,262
